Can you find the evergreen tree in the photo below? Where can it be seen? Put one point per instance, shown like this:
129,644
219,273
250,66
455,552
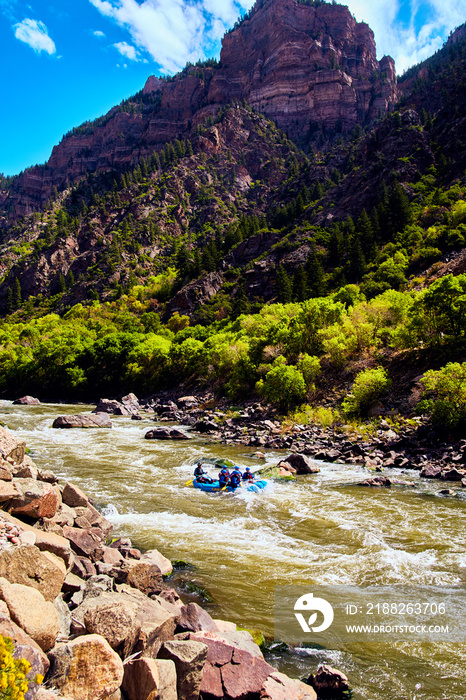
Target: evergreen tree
315,274
61,284
399,209
300,286
9,300
17,295
240,303
357,260
366,235
284,286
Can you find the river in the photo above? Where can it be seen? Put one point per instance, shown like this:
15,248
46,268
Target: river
320,529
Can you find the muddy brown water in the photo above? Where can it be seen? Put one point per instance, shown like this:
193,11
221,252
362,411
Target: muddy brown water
320,529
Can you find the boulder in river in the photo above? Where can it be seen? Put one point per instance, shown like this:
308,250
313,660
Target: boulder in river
329,683
26,401
88,420
279,687
302,464
166,434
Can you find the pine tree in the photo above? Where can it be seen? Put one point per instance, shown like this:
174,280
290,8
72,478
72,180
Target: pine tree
240,303
9,300
61,284
17,295
284,286
315,274
399,209
300,286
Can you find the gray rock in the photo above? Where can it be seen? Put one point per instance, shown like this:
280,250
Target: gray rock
98,420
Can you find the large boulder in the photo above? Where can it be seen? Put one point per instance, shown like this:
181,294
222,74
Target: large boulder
26,401
26,469
85,542
73,496
88,420
11,448
453,474
150,679
29,566
166,434
111,406
153,556
302,464
329,683
114,617
45,541
25,646
144,576
8,491
36,499
189,658
279,687
128,620
193,618
29,609
230,673
85,668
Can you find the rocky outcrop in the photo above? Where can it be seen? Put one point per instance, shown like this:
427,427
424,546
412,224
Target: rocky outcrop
304,65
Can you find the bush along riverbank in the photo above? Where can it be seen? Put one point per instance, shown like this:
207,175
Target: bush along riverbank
93,618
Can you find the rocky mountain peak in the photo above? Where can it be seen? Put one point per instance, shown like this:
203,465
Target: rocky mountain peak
312,68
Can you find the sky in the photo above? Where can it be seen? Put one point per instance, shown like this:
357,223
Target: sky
68,61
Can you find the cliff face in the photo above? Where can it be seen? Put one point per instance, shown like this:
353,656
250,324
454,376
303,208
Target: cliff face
307,68
303,66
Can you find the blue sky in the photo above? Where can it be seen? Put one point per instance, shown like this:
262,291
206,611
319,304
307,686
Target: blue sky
67,61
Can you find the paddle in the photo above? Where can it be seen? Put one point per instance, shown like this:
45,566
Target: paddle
189,483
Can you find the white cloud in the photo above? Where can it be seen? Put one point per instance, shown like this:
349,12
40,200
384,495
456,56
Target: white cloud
173,31
407,41
126,50
98,34
35,33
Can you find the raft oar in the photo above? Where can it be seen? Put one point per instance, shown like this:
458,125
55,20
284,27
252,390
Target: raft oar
189,483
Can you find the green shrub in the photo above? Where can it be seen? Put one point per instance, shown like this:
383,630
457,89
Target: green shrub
368,387
283,384
444,395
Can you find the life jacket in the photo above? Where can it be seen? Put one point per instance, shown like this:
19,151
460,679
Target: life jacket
235,479
223,478
198,471
248,476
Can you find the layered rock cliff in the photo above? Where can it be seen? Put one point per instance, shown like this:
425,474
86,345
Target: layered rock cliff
311,69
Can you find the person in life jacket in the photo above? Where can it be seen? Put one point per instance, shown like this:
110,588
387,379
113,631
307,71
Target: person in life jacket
223,477
248,475
202,476
235,478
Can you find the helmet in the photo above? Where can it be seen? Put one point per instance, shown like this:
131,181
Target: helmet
237,469
248,469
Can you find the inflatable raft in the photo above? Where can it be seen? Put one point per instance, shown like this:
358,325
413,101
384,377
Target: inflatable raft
215,486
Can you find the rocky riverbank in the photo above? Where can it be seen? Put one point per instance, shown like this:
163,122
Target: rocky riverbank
99,620
409,445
